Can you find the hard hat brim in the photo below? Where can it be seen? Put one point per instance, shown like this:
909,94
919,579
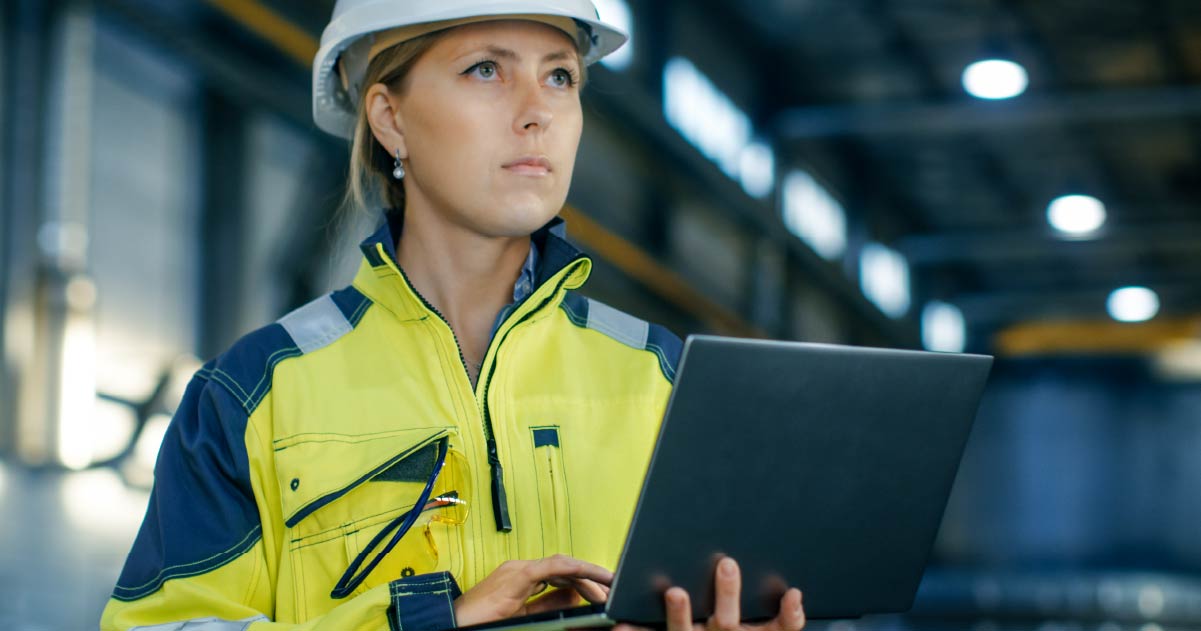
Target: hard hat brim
333,111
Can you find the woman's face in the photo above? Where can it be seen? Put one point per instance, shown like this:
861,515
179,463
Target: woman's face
489,123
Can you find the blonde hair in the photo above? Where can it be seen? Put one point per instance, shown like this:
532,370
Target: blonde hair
370,179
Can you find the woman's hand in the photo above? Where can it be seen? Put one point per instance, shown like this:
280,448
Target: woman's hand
726,615
505,592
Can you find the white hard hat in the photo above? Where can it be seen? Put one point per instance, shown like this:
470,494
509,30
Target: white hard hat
353,30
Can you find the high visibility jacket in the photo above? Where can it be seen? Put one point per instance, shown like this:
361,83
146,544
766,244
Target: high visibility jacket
302,451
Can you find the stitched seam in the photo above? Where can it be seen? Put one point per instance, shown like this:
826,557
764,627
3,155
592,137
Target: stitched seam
425,590
180,565
222,379
566,495
253,582
339,532
349,437
307,509
575,318
164,575
664,364
302,606
358,313
396,604
668,369
538,482
272,361
234,382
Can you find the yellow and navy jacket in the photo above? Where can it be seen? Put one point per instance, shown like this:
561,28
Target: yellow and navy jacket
297,457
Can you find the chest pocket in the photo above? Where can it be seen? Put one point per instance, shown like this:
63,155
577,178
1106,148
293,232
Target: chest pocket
346,497
553,498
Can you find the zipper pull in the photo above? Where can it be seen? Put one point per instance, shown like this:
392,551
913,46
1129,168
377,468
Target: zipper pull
500,502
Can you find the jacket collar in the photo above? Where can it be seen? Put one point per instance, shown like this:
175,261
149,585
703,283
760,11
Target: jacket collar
560,266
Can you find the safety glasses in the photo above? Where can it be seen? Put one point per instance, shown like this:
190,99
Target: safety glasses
445,499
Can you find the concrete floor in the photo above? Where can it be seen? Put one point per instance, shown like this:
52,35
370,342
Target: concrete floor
63,540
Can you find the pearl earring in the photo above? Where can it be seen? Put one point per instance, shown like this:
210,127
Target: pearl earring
399,171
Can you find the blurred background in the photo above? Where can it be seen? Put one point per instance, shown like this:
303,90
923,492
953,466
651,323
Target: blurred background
1019,178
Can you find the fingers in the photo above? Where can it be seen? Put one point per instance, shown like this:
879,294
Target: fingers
679,610
557,599
792,612
592,591
564,566
727,593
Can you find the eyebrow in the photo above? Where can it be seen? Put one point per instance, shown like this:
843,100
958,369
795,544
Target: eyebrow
505,53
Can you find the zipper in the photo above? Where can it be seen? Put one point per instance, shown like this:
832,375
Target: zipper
500,503
500,500
462,360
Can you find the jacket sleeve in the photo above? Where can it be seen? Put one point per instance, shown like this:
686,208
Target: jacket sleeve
200,559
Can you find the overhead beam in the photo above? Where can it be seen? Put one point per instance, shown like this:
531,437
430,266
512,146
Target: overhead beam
640,266
243,81
290,39
1022,246
1095,337
963,116
1002,308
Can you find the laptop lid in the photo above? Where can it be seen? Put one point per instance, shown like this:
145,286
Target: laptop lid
823,467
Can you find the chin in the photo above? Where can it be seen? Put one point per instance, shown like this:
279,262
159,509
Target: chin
518,220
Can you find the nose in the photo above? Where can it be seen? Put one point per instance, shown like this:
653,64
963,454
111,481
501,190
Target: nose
534,112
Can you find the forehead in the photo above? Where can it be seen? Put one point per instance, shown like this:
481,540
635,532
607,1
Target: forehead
519,36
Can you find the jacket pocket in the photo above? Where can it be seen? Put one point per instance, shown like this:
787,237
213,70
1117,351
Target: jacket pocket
554,504
339,491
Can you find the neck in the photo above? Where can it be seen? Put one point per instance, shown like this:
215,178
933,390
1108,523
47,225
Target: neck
466,276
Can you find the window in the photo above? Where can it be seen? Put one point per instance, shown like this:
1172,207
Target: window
710,121
812,214
884,277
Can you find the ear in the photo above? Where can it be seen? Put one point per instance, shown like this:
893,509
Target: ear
383,115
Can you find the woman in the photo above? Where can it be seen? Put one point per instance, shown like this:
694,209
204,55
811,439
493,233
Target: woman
458,417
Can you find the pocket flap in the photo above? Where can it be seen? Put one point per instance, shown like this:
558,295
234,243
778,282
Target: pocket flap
316,469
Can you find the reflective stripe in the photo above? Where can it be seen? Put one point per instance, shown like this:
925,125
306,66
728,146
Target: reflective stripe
620,326
316,325
205,624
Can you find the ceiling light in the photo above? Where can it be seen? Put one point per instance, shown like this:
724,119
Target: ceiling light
812,214
943,328
1076,215
757,169
995,79
884,278
1133,304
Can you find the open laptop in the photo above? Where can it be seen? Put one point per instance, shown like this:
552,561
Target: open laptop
822,467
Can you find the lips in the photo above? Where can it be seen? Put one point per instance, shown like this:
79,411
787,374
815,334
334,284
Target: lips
529,165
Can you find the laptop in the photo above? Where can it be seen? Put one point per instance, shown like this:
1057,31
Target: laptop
822,467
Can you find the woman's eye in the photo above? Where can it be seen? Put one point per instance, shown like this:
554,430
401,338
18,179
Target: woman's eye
485,70
561,78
